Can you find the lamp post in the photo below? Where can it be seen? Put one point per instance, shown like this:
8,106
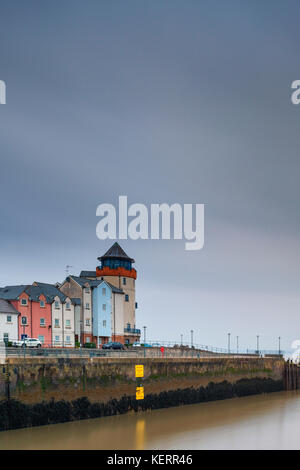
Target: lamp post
192,331
228,343
144,334
181,339
237,344
279,339
257,344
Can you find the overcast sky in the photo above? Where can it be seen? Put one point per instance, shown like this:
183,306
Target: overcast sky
162,101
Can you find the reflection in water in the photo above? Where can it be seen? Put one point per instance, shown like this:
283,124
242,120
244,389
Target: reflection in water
140,434
258,422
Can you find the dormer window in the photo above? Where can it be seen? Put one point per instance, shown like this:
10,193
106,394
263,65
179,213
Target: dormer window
24,302
56,304
42,303
68,305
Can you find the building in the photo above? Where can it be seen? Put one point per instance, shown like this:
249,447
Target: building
41,318
61,316
44,312
19,297
107,298
97,306
8,322
116,268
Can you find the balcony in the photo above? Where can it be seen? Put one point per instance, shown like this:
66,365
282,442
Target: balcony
132,331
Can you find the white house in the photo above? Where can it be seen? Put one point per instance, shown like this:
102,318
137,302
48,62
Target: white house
8,321
63,322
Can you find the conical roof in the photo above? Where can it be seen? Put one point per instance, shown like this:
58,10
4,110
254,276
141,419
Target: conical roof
117,252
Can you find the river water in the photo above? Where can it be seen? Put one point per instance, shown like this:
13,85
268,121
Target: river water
258,422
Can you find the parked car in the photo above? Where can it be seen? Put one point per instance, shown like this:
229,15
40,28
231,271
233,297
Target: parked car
146,345
27,343
113,345
136,345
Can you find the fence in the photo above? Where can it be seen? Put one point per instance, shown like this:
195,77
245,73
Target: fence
140,352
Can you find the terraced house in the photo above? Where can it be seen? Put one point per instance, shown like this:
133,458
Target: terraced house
95,307
108,305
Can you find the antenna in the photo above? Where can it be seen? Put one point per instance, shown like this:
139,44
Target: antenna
68,266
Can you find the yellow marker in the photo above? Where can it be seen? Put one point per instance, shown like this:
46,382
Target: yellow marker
139,371
139,395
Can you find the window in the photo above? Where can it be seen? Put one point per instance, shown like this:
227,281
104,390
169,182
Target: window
124,281
136,305
57,339
41,338
88,339
103,306
87,290
42,321
126,298
103,291
24,320
68,305
68,323
104,323
56,304
56,322
42,303
8,318
68,339
87,306
23,301
87,322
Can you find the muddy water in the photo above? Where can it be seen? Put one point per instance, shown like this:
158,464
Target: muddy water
259,422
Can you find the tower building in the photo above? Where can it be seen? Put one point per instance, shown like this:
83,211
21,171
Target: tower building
116,268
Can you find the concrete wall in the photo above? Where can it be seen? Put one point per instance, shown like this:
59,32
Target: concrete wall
100,379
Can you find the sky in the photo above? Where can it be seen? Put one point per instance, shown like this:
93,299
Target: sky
162,101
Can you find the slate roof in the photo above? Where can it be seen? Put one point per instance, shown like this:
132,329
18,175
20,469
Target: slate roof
88,274
12,292
116,251
50,291
6,307
75,301
95,283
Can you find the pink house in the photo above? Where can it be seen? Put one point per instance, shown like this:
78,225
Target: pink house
35,311
41,316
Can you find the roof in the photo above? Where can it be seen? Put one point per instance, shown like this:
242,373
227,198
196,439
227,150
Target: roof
6,307
94,283
116,251
49,291
88,274
12,292
76,301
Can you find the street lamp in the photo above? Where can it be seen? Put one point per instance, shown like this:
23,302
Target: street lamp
279,339
228,343
237,344
257,344
192,331
144,334
181,339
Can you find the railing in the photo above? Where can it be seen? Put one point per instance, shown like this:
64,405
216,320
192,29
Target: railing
138,352
214,349
134,331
